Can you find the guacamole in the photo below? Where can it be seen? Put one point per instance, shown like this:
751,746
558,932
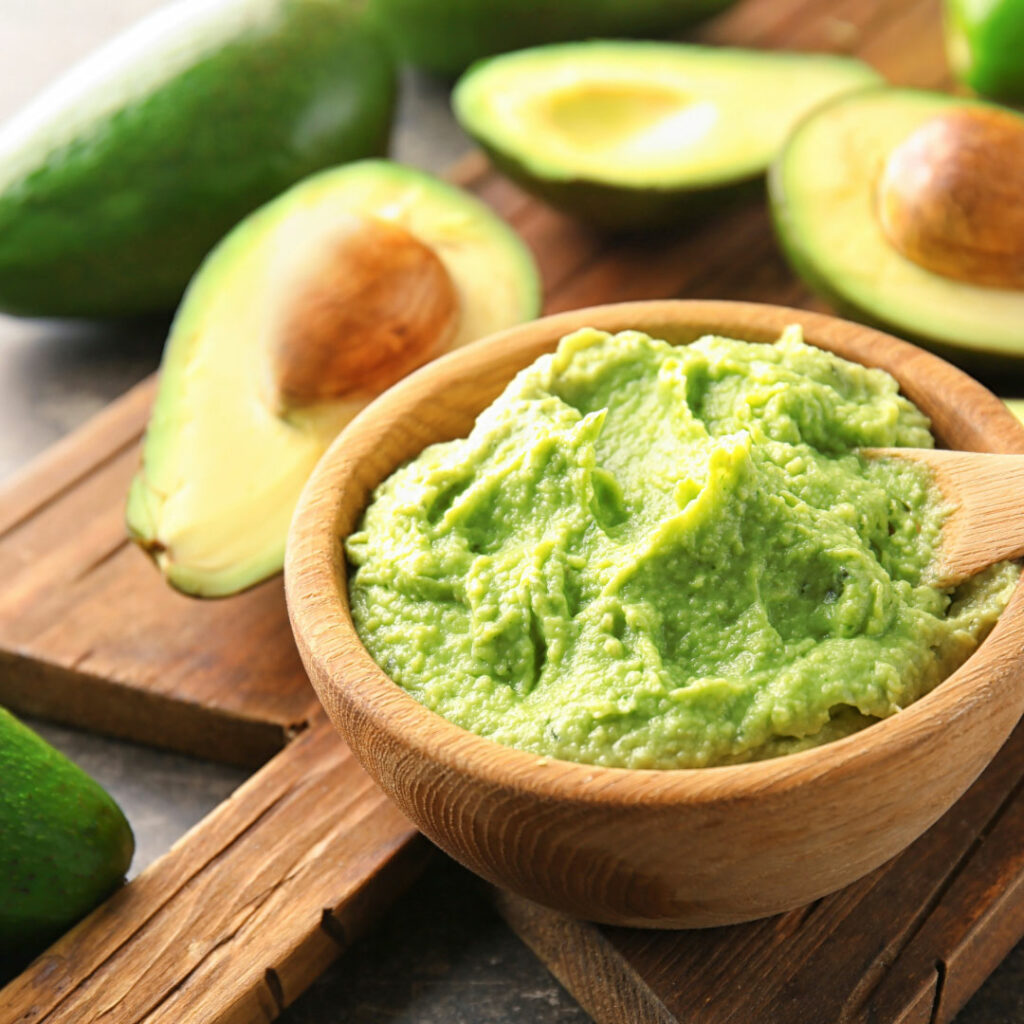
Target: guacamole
650,556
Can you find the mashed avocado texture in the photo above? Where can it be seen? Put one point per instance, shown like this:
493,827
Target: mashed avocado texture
650,556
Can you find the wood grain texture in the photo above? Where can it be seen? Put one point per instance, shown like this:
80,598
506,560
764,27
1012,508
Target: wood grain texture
669,849
92,636
909,942
243,912
985,495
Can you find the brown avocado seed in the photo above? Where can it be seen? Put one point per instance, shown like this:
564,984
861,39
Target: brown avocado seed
370,306
951,197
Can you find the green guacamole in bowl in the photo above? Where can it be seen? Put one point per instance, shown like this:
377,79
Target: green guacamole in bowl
649,556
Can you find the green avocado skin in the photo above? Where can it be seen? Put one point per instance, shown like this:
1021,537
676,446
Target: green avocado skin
985,42
66,845
115,219
446,36
621,210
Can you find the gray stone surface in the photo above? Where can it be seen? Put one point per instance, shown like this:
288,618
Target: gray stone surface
440,955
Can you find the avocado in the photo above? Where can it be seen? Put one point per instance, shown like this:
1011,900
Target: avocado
824,200
637,134
66,845
304,312
120,177
984,42
447,36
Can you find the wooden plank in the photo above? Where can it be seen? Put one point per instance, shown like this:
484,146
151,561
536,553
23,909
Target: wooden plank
244,911
76,456
975,923
607,985
955,899
92,636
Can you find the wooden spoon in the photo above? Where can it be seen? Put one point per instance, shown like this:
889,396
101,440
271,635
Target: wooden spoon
986,496
362,305
951,196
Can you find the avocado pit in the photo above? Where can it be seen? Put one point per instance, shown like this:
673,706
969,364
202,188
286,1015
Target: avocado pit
951,197
371,304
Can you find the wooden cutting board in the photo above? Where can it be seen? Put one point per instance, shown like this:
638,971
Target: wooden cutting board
246,909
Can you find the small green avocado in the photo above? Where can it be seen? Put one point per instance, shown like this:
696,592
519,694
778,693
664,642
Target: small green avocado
639,134
985,43
824,191
66,845
446,37
311,307
119,178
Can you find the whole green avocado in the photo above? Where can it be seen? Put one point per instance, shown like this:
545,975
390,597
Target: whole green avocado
120,177
984,40
66,845
446,36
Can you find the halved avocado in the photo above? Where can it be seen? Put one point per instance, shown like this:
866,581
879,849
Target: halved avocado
254,385
824,189
632,134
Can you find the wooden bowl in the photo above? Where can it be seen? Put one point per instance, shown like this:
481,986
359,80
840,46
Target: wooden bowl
684,848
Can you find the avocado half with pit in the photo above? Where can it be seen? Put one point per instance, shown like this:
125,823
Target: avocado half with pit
635,134
308,309
869,197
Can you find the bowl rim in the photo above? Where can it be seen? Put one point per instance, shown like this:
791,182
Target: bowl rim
338,663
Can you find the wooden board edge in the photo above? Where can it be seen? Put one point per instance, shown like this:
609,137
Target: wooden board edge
980,917
39,689
76,455
340,926
584,961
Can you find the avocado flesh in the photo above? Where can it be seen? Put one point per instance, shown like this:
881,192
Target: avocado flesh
66,844
447,36
221,469
626,133
823,202
119,178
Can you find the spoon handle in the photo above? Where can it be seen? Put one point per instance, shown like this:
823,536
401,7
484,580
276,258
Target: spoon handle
986,496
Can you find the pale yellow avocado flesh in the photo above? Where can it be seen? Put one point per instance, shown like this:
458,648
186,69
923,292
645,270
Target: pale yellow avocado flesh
221,471
647,114
824,189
